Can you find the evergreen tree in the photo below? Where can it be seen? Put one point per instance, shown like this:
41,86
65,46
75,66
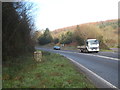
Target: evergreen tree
16,29
45,38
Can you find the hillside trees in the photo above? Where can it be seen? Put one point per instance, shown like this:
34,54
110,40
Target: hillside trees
45,38
87,31
56,40
104,31
16,29
78,36
111,25
66,38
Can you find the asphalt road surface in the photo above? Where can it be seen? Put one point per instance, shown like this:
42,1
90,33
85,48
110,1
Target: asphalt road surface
103,64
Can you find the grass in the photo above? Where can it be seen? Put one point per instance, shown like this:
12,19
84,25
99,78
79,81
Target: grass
47,45
54,71
70,48
103,50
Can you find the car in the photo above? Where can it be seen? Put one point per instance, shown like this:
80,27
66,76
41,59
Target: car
56,48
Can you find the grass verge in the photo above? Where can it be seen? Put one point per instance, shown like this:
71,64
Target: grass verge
103,50
70,48
54,71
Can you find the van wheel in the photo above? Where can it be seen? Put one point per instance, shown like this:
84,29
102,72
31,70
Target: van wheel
96,51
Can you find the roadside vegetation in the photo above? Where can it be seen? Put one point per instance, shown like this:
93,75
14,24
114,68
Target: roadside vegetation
54,71
17,42
104,50
17,26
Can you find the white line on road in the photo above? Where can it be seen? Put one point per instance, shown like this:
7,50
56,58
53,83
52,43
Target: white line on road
104,57
94,55
97,76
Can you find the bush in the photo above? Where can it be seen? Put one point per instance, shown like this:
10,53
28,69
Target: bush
56,40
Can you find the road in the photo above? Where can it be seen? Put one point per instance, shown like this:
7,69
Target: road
104,66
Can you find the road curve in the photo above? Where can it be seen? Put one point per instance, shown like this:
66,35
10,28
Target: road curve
104,68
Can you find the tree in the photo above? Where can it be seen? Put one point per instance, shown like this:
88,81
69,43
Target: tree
45,38
16,29
66,38
56,40
62,39
78,36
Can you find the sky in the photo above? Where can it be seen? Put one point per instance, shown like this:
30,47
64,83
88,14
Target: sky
55,14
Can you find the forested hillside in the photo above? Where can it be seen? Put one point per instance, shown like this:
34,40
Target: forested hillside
105,31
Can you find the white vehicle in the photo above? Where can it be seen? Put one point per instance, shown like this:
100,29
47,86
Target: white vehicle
91,45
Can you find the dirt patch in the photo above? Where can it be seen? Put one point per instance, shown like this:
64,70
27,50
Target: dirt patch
6,77
69,81
38,75
60,65
55,74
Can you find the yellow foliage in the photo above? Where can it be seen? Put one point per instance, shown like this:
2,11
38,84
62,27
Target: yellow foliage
88,31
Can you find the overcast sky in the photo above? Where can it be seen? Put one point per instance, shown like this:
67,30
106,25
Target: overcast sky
54,14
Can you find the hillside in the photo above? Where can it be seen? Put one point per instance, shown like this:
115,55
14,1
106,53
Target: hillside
101,24
107,31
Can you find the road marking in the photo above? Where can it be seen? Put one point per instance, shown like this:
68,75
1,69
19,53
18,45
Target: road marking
105,81
105,57
94,55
